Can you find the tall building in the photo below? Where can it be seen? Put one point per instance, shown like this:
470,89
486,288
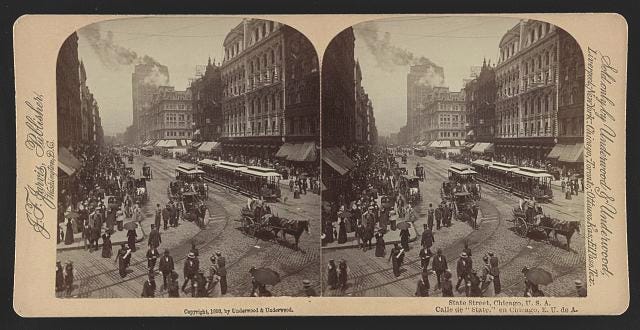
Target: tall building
480,94
144,82
270,97
527,82
421,80
569,150
207,104
443,116
339,91
69,115
169,116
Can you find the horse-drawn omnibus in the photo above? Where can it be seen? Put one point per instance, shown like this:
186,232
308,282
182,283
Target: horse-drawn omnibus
461,179
188,172
147,151
260,182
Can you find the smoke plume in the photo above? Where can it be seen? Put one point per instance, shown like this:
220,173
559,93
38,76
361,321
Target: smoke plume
116,57
388,56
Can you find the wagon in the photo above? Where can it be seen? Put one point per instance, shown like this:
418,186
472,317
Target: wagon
525,222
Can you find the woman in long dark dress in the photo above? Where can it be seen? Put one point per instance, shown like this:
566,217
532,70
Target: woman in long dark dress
332,275
68,235
379,244
342,230
131,239
106,245
343,274
124,255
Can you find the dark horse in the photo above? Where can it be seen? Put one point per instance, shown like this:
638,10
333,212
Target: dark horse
562,227
293,227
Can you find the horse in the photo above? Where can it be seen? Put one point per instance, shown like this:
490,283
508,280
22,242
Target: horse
293,227
562,227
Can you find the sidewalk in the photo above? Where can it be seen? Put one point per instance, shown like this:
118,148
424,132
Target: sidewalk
117,238
390,237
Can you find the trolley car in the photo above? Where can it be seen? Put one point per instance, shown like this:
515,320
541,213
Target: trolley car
260,181
522,181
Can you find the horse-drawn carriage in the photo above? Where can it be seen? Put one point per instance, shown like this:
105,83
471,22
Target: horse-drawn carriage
463,203
410,188
192,208
256,218
140,190
420,172
146,172
529,218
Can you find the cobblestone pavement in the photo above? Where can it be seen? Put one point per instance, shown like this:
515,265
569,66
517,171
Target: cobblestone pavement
371,276
98,277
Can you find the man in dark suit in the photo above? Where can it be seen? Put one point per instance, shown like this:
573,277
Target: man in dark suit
158,216
154,237
149,287
174,214
422,289
463,269
152,258
427,238
439,265
222,272
495,272
166,266
191,266
166,216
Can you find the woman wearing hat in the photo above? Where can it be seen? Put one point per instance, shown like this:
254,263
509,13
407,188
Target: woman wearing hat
342,226
106,245
447,286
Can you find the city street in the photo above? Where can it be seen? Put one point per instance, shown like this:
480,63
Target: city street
98,277
372,276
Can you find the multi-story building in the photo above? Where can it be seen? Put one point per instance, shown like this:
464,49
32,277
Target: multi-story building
339,92
206,93
69,116
270,96
443,116
527,83
569,150
420,82
170,115
144,82
372,129
480,94
361,125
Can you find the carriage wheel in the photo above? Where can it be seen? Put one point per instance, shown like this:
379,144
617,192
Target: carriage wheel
522,227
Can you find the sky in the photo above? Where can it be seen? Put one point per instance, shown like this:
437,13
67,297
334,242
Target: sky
454,43
178,43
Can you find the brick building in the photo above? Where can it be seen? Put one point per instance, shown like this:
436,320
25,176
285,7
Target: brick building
69,114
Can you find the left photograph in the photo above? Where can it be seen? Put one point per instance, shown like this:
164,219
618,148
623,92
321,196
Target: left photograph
188,153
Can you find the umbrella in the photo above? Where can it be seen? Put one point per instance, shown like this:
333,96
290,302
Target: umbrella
72,214
403,225
130,225
538,276
266,276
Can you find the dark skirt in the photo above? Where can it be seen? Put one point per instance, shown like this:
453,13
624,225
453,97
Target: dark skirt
342,233
106,248
68,236
380,247
332,278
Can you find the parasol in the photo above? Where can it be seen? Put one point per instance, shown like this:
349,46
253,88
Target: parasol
538,276
131,225
266,276
403,225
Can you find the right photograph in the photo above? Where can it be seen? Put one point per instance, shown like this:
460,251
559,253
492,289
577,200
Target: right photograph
452,159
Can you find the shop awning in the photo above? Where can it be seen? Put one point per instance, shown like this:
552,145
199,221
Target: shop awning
195,144
573,153
208,146
67,162
482,147
303,152
433,144
335,158
179,150
284,150
557,150
170,144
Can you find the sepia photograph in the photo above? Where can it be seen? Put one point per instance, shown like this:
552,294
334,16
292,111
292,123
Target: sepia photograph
188,159
453,159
